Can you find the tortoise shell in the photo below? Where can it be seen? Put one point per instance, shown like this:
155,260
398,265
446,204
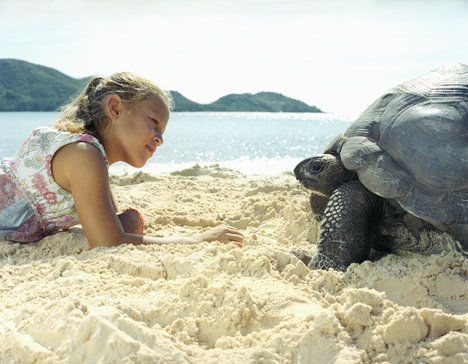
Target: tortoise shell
411,145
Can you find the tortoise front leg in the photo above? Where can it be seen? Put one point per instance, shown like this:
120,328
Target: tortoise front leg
345,230
318,204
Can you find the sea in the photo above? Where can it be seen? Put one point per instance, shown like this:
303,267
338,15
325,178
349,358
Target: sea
248,142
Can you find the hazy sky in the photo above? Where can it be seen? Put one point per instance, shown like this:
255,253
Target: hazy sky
336,54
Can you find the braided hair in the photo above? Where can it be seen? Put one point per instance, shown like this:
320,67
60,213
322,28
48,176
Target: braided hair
86,114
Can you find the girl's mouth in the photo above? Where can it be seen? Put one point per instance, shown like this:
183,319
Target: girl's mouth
151,148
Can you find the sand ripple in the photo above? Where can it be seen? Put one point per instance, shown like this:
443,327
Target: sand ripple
215,303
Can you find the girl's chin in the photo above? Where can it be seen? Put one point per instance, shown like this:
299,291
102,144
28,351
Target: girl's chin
138,164
139,161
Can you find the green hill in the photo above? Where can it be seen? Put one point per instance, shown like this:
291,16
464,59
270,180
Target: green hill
181,103
262,101
29,87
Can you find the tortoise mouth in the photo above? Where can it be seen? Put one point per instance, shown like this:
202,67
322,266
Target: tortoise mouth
307,175
309,183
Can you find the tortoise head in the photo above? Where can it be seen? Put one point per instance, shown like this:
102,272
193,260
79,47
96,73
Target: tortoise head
323,173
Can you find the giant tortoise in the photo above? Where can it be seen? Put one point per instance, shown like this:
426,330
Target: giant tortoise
402,164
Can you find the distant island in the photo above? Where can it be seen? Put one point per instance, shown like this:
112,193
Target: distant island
26,86
259,102
29,87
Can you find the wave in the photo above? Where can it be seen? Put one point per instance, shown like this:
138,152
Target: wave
244,165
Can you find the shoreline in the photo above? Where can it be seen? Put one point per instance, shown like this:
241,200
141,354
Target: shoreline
217,303
243,166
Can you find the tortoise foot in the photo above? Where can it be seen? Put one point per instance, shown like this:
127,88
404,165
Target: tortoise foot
322,261
303,256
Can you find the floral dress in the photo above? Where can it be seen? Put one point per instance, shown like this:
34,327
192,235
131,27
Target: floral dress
32,204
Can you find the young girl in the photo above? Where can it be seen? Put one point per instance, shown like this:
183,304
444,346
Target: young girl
59,177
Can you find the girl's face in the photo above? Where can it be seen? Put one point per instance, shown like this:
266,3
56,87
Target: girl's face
139,130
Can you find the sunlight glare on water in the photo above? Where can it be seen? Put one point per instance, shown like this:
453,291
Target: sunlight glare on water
260,143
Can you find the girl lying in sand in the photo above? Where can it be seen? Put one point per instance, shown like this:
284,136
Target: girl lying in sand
59,177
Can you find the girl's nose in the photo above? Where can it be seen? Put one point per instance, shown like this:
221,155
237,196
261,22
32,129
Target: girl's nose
158,139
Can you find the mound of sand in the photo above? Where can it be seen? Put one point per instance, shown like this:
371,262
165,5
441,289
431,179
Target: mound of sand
215,303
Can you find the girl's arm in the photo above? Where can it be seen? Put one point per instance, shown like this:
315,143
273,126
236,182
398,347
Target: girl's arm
81,169
130,220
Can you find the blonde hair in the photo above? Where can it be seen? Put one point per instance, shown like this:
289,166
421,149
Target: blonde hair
86,115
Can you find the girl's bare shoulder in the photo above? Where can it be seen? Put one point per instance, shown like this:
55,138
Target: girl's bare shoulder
78,160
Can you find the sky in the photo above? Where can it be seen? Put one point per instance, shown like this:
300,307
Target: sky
339,55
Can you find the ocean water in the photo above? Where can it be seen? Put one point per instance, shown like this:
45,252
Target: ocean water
252,143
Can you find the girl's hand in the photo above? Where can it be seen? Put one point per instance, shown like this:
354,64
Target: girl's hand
87,248
224,234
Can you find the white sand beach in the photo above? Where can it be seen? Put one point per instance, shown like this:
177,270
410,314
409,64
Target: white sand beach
215,303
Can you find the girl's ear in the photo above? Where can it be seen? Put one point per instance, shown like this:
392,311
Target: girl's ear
113,107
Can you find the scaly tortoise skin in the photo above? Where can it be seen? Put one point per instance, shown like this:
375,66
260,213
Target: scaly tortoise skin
401,166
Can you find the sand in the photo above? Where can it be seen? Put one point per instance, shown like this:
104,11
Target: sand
215,303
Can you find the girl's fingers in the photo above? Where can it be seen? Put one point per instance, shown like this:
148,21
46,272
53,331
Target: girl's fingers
235,237
86,248
238,243
233,230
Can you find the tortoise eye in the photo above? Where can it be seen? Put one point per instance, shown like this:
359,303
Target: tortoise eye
317,168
